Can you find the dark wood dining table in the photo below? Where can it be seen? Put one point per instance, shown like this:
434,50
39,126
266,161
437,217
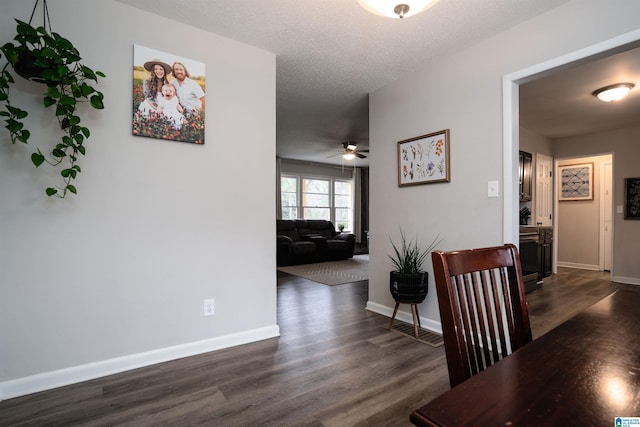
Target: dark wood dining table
584,372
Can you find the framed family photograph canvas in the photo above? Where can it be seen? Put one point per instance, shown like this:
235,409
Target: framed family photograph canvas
168,96
576,182
424,159
632,198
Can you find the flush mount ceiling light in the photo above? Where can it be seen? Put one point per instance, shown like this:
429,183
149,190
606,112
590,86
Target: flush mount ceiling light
396,8
613,92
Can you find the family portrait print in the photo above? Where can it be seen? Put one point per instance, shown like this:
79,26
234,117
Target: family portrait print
168,96
424,159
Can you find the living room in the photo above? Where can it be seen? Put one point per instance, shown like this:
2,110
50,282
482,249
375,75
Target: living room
114,278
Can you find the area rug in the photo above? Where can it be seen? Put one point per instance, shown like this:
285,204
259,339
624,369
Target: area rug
333,272
424,336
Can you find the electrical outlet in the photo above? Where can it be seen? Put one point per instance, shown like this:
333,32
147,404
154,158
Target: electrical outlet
209,307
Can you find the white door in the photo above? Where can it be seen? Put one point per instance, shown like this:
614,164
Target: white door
544,190
606,203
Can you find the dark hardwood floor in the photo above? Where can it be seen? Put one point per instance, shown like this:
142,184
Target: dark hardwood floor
563,295
335,364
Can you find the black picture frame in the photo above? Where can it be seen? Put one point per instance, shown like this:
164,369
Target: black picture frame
632,198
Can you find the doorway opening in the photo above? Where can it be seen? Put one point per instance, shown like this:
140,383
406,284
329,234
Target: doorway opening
584,227
511,83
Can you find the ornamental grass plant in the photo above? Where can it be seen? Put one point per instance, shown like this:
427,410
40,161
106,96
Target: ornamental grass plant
409,256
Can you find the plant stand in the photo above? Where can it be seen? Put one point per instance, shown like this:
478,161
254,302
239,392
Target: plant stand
414,313
408,289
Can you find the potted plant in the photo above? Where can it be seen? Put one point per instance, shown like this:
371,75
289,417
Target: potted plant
45,57
341,227
408,283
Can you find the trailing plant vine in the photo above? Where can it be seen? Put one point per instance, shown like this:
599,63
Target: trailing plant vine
57,64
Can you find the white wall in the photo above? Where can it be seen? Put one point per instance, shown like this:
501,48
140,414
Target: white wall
463,93
115,277
533,143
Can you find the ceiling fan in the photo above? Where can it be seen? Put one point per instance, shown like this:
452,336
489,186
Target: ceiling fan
351,151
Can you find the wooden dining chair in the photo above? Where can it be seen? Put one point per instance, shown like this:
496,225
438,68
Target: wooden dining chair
483,308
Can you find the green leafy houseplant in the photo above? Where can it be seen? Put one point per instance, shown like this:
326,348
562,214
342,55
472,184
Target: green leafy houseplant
409,283
48,58
409,256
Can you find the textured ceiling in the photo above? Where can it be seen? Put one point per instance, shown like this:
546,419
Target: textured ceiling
561,104
331,53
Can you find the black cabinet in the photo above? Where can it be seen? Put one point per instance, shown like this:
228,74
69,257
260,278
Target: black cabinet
546,241
529,260
536,253
545,251
524,175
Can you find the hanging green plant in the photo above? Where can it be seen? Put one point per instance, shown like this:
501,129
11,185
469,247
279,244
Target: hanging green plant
46,57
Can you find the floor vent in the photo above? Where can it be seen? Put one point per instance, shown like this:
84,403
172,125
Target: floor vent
427,337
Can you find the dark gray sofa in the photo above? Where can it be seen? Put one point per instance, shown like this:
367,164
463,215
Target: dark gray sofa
303,241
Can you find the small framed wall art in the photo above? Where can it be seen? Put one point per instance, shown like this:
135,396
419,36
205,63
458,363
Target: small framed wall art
576,182
632,198
424,159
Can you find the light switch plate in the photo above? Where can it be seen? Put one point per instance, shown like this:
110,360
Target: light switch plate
619,209
493,190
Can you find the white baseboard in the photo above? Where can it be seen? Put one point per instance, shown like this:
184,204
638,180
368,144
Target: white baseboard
617,279
76,374
580,266
404,316
626,280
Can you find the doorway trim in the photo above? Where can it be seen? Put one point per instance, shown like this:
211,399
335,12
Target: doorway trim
606,238
511,120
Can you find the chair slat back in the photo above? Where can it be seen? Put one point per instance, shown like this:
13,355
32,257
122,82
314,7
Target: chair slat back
483,308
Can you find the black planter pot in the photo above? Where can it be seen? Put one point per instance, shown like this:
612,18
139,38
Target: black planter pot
409,288
27,68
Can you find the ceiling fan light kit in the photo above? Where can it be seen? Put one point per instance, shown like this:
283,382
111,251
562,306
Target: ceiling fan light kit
351,151
396,8
614,92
